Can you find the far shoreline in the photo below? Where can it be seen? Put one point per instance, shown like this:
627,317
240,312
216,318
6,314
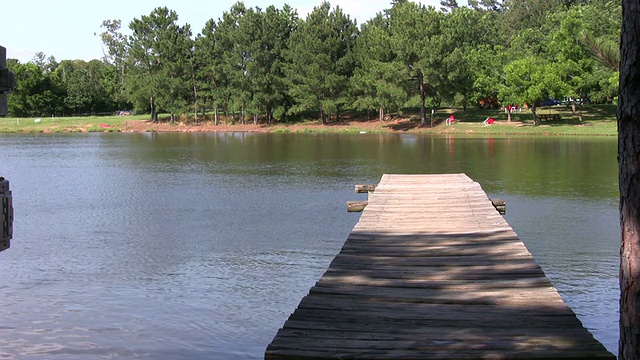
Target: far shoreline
374,126
597,120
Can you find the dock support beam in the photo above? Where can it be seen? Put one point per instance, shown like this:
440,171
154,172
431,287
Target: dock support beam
365,188
500,205
356,206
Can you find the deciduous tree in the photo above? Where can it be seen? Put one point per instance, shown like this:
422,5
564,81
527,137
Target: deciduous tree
158,57
39,91
532,79
115,55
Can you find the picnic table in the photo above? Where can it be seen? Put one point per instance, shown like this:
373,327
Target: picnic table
545,117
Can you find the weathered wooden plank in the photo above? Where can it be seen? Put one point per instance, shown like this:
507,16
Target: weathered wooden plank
435,279
354,349
518,348
470,274
425,310
453,333
432,270
438,334
350,260
426,295
323,353
503,282
419,249
407,237
457,344
436,319
433,275
427,250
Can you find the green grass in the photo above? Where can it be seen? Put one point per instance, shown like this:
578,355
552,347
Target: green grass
597,120
67,124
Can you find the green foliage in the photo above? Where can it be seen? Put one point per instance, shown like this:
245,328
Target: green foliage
319,61
158,57
240,60
465,56
532,79
271,65
38,91
419,43
379,80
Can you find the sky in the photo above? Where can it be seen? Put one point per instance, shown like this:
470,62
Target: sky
69,29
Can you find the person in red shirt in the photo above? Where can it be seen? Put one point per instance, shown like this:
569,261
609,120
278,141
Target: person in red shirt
450,120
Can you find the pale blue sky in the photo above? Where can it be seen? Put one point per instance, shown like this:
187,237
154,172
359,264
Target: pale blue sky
66,28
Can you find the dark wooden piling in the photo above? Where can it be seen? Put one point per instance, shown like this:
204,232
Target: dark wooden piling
500,205
356,206
365,188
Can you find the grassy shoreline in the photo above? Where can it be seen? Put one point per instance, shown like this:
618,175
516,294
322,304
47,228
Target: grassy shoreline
598,120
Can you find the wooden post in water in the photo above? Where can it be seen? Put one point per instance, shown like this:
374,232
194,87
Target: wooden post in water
500,205
365,188
356,206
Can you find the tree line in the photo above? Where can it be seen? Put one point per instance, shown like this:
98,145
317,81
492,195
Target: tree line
267,65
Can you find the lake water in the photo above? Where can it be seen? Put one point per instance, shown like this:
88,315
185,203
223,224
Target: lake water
199,246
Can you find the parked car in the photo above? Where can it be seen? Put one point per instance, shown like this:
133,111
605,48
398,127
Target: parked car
578,101
549,102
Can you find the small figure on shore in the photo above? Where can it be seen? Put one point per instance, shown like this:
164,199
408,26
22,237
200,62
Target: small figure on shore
488,121
450,120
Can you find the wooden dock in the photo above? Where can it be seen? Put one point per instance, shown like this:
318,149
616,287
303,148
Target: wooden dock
432,271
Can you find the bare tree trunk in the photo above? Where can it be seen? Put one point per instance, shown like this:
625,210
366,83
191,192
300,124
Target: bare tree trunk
195,102
381,114
216,118
423,95
580,118
628,162
154,114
